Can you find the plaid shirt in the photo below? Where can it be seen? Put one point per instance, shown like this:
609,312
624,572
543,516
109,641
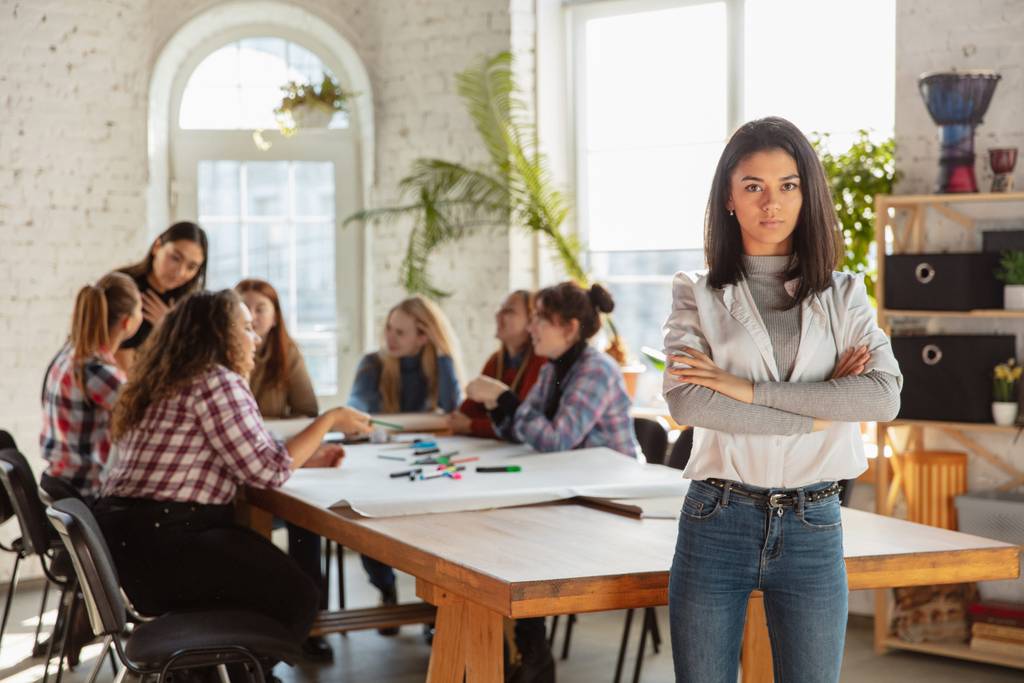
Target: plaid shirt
199,445
75,440
594,410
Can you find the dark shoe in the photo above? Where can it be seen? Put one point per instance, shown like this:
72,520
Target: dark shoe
388,598
317,649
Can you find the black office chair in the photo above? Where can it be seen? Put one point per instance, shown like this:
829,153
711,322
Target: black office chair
174,641
652,437
38,538
680,454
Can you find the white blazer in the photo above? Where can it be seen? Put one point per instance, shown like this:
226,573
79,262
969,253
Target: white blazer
725,324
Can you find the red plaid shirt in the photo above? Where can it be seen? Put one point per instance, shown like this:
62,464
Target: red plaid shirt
199,445
75,440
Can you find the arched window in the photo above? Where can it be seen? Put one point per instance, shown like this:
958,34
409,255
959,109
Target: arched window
272,205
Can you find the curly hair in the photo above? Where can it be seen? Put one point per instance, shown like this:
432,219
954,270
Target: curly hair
198,333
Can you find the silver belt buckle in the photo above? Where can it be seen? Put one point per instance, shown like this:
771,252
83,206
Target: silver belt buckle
775,500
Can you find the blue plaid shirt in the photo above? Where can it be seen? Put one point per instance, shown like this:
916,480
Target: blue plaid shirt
594,410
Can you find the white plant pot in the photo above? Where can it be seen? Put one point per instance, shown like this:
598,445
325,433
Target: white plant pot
312,116
1013,297
1004,412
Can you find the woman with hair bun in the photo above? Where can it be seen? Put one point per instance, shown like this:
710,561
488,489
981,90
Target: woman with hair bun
579,401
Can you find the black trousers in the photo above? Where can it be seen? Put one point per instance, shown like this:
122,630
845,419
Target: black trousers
182,556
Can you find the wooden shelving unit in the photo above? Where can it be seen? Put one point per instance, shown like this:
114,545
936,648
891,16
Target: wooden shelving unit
910,237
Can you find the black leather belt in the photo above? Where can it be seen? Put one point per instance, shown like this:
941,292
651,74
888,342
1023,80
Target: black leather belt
781,499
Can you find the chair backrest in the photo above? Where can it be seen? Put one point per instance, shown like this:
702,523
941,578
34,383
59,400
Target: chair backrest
681,449
6,509
94,566
652,437
20,485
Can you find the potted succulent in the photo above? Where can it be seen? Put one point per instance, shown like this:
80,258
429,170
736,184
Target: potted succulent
1005,377
307,106
1011,274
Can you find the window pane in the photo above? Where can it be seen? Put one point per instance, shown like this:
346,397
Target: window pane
314,189
219,189
321,356
650,151
267,188
854,81
239,85
224,265
268,254
314,265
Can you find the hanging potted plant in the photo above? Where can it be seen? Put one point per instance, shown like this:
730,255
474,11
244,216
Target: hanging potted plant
307,106
1011,274
1005,377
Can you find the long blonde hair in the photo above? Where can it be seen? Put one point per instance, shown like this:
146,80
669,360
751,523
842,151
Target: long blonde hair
432,322
97,309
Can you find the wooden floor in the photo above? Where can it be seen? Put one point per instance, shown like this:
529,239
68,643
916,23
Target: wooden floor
370,658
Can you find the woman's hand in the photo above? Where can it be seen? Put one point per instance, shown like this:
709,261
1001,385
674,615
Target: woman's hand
852,362
327,455
694,367
350,421
486,390
153,308
459,423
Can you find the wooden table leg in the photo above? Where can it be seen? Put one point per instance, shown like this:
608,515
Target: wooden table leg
467,639
257,519
756,654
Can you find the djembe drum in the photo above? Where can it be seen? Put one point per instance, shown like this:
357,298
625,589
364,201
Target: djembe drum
957,101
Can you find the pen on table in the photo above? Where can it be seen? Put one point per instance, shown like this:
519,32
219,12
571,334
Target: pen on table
406,473
451,473
503,468
418,443
389,425
391,457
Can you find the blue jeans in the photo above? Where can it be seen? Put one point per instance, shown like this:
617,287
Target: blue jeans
381,575
730,545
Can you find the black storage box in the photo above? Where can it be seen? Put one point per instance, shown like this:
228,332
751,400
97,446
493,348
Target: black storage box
1002,240
949,377
942,282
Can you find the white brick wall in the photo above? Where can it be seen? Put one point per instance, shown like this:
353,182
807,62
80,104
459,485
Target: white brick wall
73,98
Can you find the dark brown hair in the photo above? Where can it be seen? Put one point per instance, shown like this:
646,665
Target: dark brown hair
198,333
568,300
189,232
98,308
275,371
816,239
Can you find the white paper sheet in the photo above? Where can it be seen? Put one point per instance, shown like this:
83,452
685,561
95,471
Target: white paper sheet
363,480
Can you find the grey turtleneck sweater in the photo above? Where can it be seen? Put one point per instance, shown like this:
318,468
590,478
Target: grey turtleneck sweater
785,407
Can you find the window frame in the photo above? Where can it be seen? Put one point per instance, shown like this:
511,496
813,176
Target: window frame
340,146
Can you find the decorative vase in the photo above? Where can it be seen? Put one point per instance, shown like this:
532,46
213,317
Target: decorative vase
1013,297
1002,160
1004,413
312,115
957,101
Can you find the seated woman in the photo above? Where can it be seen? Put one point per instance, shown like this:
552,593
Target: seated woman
174,267
579,401
81,386
282,388
414,373
514,364
189,434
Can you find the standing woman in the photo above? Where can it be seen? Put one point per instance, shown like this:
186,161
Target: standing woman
775,359
514,364
281,385
81,386
174,267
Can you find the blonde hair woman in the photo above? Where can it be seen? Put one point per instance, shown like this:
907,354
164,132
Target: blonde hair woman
416,371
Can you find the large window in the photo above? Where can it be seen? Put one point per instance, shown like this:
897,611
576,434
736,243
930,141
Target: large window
659,85
272,210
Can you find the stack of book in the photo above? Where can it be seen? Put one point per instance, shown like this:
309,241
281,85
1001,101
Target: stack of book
997,628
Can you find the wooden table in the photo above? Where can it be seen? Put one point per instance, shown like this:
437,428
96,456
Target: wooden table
479,567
